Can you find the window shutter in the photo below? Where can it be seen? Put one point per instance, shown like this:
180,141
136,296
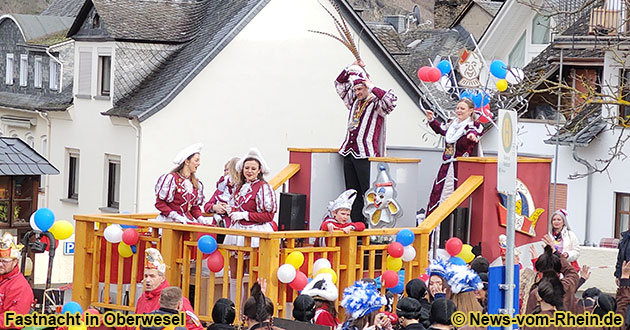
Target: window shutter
53,82
23,70
9,73
85,73
38,72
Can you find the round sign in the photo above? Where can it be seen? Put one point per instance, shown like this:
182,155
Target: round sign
506,132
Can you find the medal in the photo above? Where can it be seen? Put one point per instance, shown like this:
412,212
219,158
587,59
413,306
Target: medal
356,116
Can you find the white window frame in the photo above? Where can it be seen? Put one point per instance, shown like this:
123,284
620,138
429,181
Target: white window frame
53,76
8,76
112,201
23,70
101,75
73,153
38,72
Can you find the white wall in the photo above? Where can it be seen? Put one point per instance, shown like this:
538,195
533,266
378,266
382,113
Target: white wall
271,87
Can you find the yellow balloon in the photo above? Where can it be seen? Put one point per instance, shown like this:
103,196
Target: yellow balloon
124,250
61,229
329,271
502,85
394,264
28,267
80,327
466,253
295,259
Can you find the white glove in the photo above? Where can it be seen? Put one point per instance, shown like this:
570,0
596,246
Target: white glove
205,220
178,218
239,216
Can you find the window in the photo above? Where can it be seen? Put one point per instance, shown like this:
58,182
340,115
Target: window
85,73
113,183
23,69
73,176
8,77
540,30
561,195
96,21
38,72
517,55
53,82
622,214
17,200
104,74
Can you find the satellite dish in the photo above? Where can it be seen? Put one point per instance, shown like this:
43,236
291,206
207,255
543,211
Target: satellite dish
416,14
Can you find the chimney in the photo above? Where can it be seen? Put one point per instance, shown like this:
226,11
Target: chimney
399,22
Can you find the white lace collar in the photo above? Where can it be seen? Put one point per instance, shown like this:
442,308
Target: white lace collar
456,129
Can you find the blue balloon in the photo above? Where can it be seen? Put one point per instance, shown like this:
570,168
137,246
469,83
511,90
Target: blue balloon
207,244
405,237
477,99
71,307
485,99
466,95
457,261
134,249
398,289
498,69
44,218
445,67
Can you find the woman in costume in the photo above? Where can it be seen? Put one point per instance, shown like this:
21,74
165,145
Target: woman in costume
565,241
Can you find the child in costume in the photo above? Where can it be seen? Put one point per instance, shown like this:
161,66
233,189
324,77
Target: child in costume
324,292
338,216
361,303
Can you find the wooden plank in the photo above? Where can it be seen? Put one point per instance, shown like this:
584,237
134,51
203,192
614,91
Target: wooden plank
96,267
169,249
494,160
80,293
269,254
315,150
287,173
394,160
108,270
134,276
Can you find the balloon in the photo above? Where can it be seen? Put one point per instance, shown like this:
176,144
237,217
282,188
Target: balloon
453,246
399,288
92,311
446,83
444,66
215,261
207,244
321,263
44,218
394,264
299,282
434,75
466,253
134,249
409,253
130,236
502,85
78,327
485,99
28,267
32,222
44,239
466,95
423,73
457,261
477,99
124,250
515,76
405,237
498,69
329,271
390,279
113,233
396,250
71,307
286,273
61,229
295,259
424,277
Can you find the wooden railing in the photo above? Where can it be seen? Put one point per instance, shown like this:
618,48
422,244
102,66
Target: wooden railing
287,173
352,256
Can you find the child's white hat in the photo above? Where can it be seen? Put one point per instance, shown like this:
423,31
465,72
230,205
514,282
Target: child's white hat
323,287
344,201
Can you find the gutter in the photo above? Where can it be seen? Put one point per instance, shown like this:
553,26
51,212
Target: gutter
44,116
60,89
136,182
589,179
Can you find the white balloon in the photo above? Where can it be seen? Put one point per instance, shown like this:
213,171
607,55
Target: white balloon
319,264
28,267
409,253
113,233
286,273
32,222
515,76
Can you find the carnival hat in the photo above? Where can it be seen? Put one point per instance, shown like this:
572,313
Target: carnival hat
255,154
503,246
462,279
356,75
322,287
153,260
344,201
563,215
437,267
187,152
8,248
361,299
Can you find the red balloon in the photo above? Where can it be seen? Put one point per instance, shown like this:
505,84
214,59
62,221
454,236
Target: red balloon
44,239
423,73
454,246
92,311
483,119
299,282
396,250
390,278
424,277
130,236
434,75
215,261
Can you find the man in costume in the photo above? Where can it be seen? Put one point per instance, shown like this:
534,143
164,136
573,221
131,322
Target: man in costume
16,294
171,303
365,135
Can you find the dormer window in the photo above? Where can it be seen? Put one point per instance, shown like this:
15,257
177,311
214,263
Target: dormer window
540,30
96,21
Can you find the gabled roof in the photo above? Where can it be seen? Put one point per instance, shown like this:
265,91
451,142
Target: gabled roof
35,28
64,8
491,7
38,102
582,129
18,158
389,38
222,21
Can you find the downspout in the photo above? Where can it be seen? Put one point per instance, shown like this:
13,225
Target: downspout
60,68
44,116
589,178
137,169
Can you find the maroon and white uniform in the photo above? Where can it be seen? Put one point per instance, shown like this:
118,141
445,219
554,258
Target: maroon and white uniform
177,199
223,194
258,200
365,136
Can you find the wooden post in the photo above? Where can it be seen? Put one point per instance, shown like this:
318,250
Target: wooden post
348,246
83,234
170,249
422,252
268,263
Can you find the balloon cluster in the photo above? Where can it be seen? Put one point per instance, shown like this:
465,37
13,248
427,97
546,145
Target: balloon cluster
461,254
434,74
208,245
289,272
44,220
126,238
399,251
505,74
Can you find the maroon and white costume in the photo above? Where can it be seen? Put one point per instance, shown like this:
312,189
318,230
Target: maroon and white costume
177,199
344,201
223,194
457,145
253,205
365,136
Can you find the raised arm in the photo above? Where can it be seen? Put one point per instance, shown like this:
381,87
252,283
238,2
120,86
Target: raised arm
344,89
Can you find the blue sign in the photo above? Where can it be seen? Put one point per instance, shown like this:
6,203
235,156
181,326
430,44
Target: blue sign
68,248
496,296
